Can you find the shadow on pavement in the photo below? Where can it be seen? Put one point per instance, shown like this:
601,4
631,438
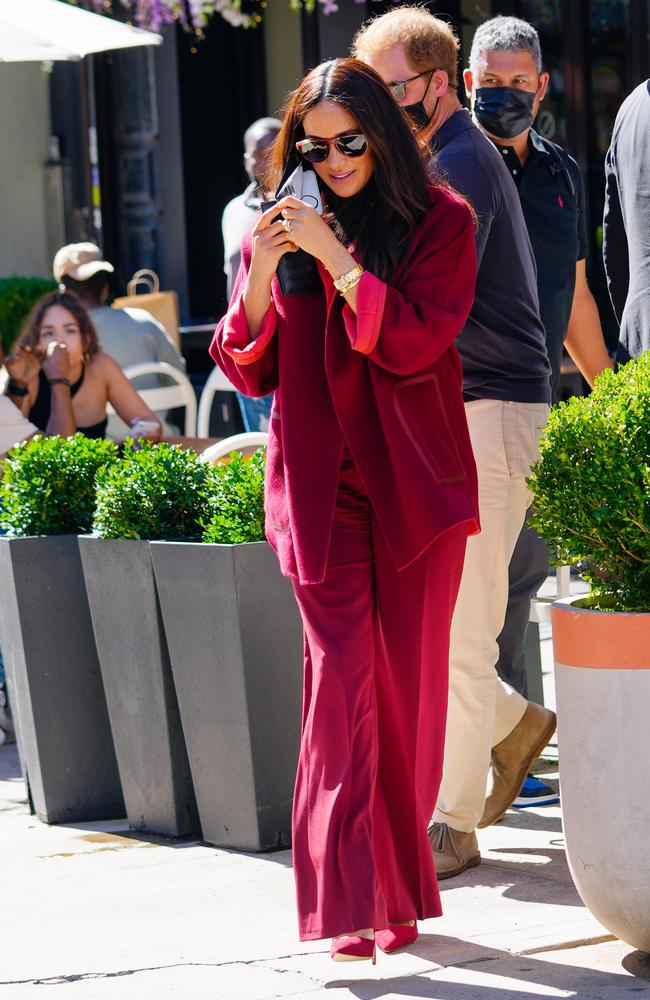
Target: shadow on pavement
637,964
9,763
522,820
521,880
503,966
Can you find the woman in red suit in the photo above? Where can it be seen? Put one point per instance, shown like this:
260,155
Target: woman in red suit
370,491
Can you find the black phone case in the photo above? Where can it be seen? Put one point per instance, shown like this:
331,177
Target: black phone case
297,272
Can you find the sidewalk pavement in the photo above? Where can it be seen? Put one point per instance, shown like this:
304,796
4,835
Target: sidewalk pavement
95,912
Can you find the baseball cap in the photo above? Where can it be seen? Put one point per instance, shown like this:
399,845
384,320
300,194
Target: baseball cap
79,261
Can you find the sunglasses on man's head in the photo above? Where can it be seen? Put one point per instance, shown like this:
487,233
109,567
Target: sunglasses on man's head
317,150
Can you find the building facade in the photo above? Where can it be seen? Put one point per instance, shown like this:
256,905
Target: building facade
150,140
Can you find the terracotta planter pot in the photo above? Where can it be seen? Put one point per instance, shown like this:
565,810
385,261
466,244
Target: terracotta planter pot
602,679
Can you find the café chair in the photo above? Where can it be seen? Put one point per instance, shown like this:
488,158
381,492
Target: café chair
540,614
179,394
248,441
254,412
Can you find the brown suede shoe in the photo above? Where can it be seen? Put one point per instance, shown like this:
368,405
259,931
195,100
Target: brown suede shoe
512,758
453,850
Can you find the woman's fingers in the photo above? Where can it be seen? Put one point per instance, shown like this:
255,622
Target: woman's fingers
269,232
266,219
290,202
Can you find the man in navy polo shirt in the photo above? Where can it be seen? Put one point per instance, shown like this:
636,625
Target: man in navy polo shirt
506,86
507,394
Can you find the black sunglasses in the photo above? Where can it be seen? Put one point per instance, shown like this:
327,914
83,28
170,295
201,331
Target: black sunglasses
317,150
398,87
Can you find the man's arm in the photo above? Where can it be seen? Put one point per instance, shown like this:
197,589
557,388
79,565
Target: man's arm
615,249
584,340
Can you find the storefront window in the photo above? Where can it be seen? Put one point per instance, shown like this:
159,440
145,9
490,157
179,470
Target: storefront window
546,16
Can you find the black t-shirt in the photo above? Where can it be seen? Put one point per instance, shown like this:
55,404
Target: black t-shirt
552,195
503,345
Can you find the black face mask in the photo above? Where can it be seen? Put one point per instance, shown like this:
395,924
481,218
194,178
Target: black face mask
418,114
504,111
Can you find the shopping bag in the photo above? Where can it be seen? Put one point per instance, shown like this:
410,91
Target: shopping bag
163,306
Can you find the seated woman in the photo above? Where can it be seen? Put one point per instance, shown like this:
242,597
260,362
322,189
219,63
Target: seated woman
59,322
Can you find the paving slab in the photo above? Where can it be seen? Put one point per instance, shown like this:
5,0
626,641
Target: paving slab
96,912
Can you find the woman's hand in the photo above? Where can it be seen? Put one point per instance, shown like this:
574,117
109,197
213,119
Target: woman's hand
304,226
23,365
309,232
270,241
56,361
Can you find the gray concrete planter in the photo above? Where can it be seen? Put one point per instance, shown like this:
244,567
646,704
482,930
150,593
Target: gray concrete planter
142,703
235,641
64,737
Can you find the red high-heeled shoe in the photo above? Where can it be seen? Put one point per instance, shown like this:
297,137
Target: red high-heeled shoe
396,937
353,948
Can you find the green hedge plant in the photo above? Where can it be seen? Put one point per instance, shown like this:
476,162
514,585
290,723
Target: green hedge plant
17,296
161,491
49,485
156,491
592,487
237,500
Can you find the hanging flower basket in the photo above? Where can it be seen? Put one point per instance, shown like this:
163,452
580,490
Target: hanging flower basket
195,14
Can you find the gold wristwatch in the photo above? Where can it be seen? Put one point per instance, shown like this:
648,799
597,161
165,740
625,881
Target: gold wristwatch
347,281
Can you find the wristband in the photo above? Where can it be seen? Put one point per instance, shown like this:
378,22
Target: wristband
13,389
60,381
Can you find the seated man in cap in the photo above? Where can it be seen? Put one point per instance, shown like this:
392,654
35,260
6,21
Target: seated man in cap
130,336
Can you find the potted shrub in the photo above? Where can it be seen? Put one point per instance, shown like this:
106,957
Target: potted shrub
592,503
156,491
235,641
64,739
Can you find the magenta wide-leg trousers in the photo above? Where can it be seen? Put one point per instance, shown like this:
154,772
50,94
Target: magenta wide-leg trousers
373,727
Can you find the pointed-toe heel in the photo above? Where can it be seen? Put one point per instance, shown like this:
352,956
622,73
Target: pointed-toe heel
396,937
352,948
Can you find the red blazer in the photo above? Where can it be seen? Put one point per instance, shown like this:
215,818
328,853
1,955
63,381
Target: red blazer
386,381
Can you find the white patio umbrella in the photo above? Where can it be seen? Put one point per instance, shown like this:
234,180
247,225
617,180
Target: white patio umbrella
49,30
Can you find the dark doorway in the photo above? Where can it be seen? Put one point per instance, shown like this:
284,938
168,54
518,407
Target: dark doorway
222,90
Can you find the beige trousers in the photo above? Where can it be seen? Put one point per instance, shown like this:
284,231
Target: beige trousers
482,709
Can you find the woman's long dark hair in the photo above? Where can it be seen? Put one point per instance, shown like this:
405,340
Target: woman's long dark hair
381,219
68,300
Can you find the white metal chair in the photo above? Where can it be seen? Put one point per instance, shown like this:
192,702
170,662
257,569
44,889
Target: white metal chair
540,607
255,413
165,397
540,614
237,442
217,382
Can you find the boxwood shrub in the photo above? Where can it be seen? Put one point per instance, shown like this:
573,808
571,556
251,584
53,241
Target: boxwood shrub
49,485
592,486
155,492
236,505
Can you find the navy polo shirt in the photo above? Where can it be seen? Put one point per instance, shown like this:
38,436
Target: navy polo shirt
503,344
552,195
